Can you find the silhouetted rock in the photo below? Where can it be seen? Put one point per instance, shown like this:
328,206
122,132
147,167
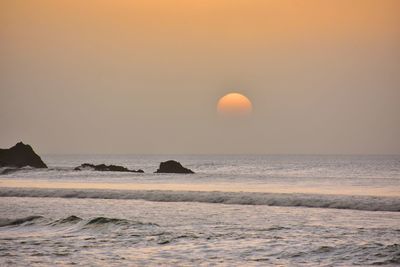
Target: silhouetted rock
20,155
172,166
105,168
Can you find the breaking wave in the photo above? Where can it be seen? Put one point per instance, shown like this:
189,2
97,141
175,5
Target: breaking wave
71,220
105,220
368,203
18,221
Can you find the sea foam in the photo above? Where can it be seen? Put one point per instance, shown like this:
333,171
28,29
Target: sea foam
368,203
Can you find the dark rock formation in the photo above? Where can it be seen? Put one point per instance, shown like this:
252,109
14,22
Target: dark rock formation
172,166
20,155
105,168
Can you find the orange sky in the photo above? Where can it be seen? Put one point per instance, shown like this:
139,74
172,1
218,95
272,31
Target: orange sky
323,75
198,23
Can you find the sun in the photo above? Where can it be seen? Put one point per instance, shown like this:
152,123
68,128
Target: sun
234,105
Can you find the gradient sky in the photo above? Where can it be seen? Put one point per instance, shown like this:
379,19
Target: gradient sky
126,76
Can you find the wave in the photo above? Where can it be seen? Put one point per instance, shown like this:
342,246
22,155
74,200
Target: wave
105,220
68,220
18,221
72,220
367,203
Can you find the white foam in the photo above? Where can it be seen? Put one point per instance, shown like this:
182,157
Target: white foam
368,203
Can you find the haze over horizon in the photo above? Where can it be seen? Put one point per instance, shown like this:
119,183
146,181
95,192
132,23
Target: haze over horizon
145,77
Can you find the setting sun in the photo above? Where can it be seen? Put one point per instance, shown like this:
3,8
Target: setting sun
234,104
199,133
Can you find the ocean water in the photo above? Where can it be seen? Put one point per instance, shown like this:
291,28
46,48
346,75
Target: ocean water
235,211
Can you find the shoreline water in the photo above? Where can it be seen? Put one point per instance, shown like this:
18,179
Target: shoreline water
367,203
115,232
242,210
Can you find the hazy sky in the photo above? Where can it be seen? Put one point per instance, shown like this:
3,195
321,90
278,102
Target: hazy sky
126,76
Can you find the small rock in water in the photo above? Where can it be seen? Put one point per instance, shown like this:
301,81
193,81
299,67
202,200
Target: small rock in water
105,168
172,166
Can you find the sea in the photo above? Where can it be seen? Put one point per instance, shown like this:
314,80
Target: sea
236,210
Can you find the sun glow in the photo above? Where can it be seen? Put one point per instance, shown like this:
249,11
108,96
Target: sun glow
234,105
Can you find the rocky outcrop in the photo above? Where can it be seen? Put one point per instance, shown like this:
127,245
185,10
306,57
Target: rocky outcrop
19,156
105,168
172,166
